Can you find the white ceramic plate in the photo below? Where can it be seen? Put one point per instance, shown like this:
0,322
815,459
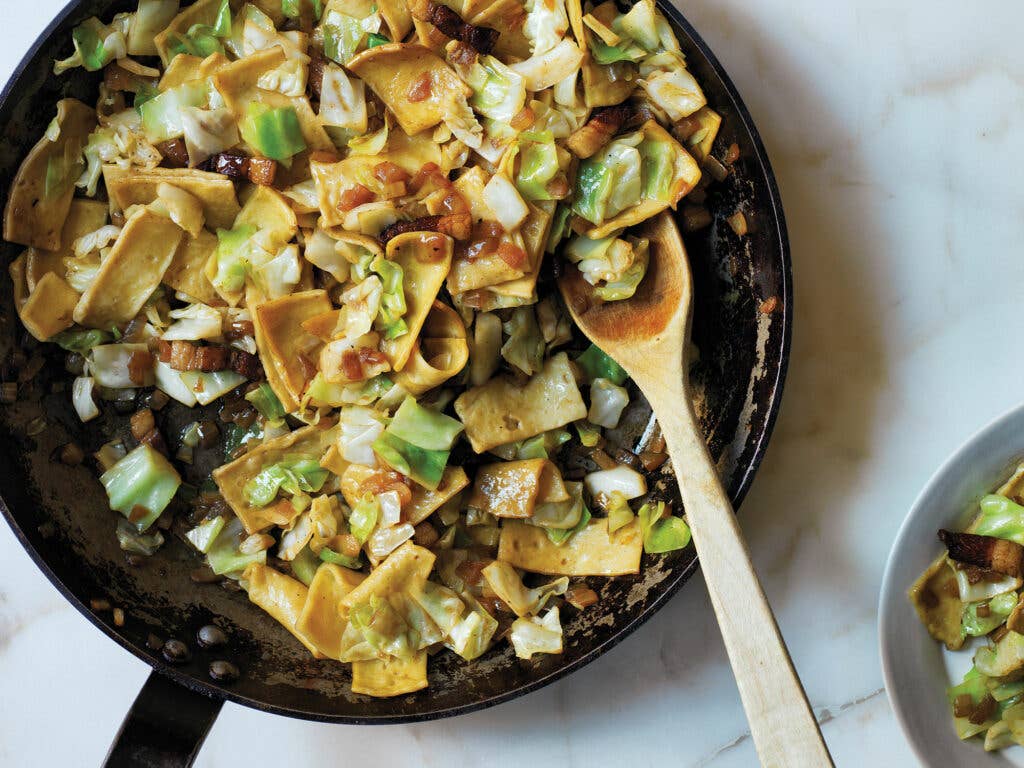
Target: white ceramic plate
917,670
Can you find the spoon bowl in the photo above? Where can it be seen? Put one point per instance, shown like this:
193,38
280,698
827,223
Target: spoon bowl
655,315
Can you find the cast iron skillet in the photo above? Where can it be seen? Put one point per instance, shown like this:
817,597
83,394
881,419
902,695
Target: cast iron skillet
60,515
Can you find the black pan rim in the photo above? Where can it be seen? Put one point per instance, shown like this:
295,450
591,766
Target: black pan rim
774,405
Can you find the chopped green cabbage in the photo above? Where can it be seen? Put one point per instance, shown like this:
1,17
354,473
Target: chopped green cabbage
670,86
266,402
525,346
100,148
545,25
360,427
534,634
625,284
162,115
273,132
471,637
392,303
141,485
621,478
537,447
208,132
208,386
505,582
364,516
223,556
80,340
598,365
204,534
538,164
974,685
304,565
662,534
422,465
619,512
232,257
96,44
999,607
295,475
558,535
204,40
343,102
561,516
82,399
983,589
109,364
1001,518
641,24
607,401
594,183
498,92
328,555
609,54
559,228
442,605
194,322
424,427
657,167
344,35
130,540
590,434
383,628
292,9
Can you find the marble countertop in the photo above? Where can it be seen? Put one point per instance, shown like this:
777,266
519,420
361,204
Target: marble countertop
891,128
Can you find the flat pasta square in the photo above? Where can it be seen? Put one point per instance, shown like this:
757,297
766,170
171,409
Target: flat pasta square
231,478
139,187
133,270
590,552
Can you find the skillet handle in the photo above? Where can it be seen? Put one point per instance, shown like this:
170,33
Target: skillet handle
165,727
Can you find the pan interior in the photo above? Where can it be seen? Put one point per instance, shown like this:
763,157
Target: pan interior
62,517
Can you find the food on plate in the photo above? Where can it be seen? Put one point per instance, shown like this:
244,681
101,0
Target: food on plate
969,599
331,230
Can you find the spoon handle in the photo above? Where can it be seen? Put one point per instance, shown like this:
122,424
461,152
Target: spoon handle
785,731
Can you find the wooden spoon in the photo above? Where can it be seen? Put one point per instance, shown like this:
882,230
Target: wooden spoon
647,335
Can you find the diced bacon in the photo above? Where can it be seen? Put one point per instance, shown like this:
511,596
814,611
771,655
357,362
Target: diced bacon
388,173
262,171
139,364
355,196
174,152
246,364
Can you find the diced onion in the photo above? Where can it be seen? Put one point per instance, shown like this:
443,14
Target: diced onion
390,509
384,541
81,397
108,364
170,383
360,427
548,68
607,401
626,481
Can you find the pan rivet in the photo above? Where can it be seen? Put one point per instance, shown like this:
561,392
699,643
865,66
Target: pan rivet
176,652
210,636
223,671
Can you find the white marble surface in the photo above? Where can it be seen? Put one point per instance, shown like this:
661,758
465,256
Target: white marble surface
893,130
